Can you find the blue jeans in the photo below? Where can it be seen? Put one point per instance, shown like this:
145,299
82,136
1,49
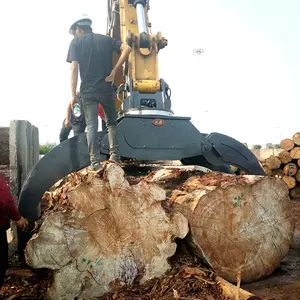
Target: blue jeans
90,103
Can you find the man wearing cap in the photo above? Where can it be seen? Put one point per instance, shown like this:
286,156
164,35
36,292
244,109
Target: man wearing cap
92,54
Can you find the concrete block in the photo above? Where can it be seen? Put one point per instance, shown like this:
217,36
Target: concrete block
23,155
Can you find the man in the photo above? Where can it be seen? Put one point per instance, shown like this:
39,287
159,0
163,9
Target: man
72,122
92,53
8,210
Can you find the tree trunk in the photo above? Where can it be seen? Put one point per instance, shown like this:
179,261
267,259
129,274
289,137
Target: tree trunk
290,181
290,169
110,232
295,153
296,138
285,157
273,162
287,144
4,145
232,221
295,192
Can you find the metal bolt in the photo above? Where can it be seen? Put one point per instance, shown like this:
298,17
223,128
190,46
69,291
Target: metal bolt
144,146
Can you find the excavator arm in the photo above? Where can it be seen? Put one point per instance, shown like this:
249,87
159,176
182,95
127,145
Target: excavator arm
148,130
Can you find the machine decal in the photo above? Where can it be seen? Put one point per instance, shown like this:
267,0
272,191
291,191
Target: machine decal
158,122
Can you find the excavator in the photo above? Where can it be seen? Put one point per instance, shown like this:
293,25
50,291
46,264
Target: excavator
148,129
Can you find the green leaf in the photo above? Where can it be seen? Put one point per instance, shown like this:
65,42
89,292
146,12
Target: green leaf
83,260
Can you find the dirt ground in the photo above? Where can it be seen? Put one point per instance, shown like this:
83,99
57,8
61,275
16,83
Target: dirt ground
284,283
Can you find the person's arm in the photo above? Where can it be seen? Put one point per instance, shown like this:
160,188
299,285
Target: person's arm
125,51
74,80
73,58
8,204
68,114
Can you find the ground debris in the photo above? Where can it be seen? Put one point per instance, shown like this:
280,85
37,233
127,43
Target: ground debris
25,284
187,280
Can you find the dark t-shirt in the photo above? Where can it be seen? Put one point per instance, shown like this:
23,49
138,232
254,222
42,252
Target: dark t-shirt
94,54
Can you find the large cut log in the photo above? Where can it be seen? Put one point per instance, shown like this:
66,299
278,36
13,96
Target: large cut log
285,157
238,224
296,138
110,233
4,145
273,162
287,144
295,153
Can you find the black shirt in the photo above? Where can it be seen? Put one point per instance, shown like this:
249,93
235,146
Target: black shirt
94,54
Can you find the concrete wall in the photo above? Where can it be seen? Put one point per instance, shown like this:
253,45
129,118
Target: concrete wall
23,152
23,155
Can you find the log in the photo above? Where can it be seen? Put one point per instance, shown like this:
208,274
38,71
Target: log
290,169
273,162
297,176
277,173
290,181
295,153
285,157
295,192
4,145
232,221
109,233
296,138
287,144
268,171
298,162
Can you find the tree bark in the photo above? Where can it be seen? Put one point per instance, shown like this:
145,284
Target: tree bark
232,221
287,144
285,157
110,232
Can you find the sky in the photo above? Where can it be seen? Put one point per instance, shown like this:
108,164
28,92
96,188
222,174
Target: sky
245,84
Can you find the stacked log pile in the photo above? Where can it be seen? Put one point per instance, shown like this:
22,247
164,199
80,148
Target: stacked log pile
286,165
101,232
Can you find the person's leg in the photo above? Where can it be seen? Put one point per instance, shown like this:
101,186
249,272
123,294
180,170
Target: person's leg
90,106
64,133
109,107
3,255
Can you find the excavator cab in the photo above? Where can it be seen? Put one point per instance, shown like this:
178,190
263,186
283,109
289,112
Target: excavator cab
148,129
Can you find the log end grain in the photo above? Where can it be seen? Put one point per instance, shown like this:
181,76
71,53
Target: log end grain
111,233
287,144
232,227
296,138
